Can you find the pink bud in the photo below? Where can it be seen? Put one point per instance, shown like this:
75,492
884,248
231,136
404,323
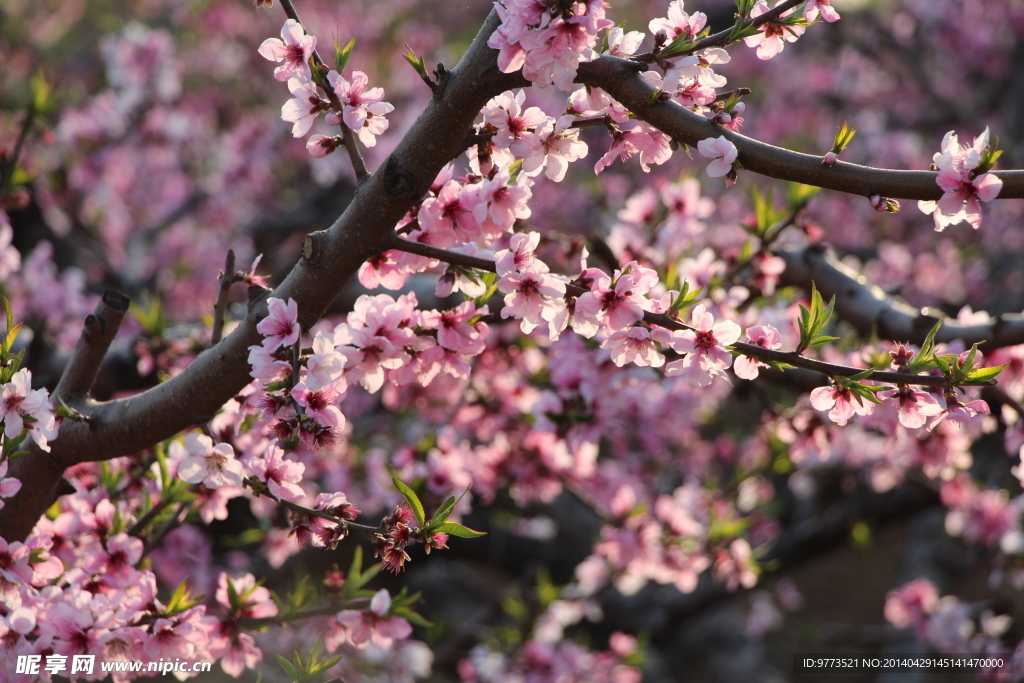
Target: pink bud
739,108
333,118
723,118
830,158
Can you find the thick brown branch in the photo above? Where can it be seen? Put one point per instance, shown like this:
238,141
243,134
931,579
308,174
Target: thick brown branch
868,308
126,426
100,329
619,79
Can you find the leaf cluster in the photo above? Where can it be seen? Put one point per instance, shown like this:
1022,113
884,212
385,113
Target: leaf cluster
813,320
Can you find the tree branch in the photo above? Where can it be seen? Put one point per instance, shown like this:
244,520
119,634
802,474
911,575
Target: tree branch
227,278
126,426
100,329
358,165
751,350
721,39
868,308
619,78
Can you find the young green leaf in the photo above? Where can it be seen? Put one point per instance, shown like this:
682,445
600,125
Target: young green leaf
416,62
412,499
343,54
844,135
454,529
813,319
983,375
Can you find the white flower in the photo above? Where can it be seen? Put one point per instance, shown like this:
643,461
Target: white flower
721,151
214,466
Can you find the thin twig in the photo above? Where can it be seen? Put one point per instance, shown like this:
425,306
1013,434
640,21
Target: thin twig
170,524
227,278
722,38
751,350
322,611
358,165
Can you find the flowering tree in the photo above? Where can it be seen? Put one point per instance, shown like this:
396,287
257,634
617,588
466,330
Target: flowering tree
564,329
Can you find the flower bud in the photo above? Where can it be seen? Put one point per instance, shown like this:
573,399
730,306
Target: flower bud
830,158
739,108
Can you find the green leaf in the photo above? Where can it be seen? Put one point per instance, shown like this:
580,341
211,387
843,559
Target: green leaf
411,616
343,54
798,194
287,666
412,499
454,529
10,338
844,135
983,375
10,315
813,319
444,511
415,62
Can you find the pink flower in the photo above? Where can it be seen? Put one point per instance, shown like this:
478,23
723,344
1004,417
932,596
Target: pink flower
519,255
910,604
382,270
771,34
505,112
266,367
960,198
15,569
535,298
326,364
320,404
706,356
372,356
454,331
828,13
281,326
959,412
551,147
913,406
294,49
281,476
764,336
652,145
18,401
840,402
500,202
320,146
449,216
213,466
678,23
622,44
8,485
255,600
612,305
961,191
374,624
304,107
636,345
721,151
362,111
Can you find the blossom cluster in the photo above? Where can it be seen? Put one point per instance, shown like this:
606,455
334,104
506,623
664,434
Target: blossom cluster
362,108
547,42
24,408
963,187
950,625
